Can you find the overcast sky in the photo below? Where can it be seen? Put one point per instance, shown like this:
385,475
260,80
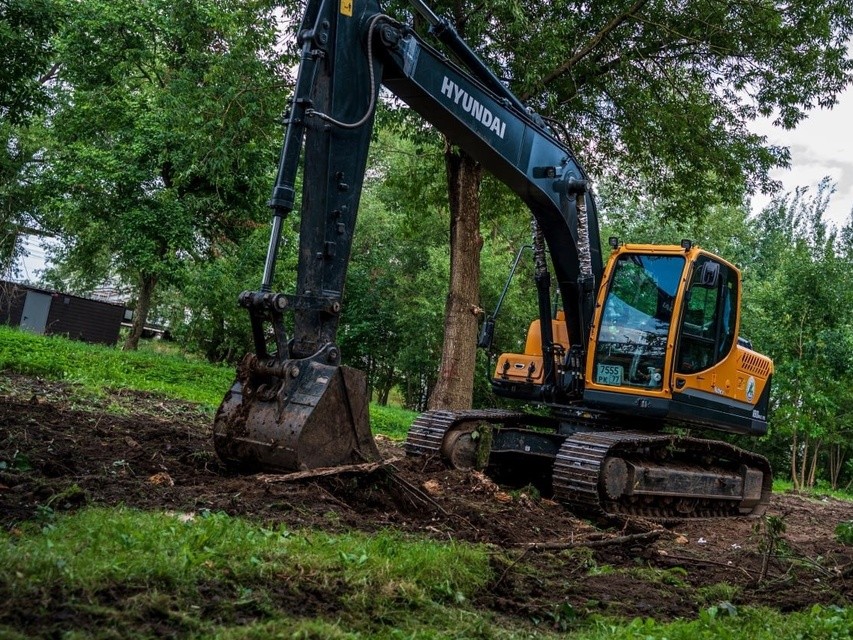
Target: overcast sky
821,145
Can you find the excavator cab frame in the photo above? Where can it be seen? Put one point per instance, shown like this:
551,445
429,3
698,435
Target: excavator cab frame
664,343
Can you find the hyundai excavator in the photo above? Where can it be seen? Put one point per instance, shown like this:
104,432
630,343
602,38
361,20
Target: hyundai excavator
641,350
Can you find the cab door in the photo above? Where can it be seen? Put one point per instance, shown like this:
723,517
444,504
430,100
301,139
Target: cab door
716,383
631,349
709,320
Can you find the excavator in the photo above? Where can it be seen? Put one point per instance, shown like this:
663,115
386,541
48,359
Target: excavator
640,351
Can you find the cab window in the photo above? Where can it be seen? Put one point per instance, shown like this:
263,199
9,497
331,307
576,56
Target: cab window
709,323
635,321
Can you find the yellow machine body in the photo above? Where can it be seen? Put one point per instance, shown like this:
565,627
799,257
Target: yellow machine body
663,344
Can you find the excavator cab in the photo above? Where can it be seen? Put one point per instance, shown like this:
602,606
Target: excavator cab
662,350
663,345
664,342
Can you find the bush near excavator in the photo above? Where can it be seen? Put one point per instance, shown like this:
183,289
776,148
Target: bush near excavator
844,532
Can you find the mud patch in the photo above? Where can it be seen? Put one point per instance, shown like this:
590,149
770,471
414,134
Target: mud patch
58,457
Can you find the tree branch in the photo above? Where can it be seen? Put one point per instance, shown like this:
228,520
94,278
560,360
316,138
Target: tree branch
51,74
645,537
675,51
363,468
589,46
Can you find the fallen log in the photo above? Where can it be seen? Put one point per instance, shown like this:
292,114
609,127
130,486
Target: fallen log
320,472
647,536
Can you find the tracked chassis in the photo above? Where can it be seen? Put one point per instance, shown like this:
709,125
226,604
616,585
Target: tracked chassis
602,471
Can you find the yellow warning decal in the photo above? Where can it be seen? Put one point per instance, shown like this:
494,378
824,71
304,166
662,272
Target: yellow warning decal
346,7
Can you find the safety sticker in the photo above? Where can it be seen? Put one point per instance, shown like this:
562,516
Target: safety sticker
750,389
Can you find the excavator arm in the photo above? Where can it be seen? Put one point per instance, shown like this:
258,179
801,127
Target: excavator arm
647,342
348,50
295,386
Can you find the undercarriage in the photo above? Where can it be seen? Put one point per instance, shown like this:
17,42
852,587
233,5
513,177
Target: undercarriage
600,469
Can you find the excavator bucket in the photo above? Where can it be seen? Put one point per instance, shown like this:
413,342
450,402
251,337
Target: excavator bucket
314,415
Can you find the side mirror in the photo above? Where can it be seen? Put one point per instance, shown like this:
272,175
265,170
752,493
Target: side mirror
487,334
709,275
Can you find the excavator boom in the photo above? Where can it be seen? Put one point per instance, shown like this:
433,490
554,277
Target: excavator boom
649,341
348,50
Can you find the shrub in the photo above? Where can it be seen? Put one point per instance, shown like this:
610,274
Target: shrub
844,532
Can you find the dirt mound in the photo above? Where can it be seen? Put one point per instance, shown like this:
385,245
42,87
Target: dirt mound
56,456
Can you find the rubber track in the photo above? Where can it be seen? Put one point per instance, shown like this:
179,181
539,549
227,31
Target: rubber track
577,466
427,432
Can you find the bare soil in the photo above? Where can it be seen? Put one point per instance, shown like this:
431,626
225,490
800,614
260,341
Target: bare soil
158,454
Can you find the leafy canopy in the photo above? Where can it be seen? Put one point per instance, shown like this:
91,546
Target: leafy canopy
659,94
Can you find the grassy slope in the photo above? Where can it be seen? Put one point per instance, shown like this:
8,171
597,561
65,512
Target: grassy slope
165,568
96,368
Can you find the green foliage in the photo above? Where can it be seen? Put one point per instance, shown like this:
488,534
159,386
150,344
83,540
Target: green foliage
392,422
392,324
771,528
659,95
724,230
799,314
844,532
97,367
202,310
157,149
26,71
400,271
26,27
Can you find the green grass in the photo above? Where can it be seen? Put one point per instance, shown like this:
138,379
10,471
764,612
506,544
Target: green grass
392,422
821,490
97,547
118,573
729,623
166,560
94,369
844,532
97,367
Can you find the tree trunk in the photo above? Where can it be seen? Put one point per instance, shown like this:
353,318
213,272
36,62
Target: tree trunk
804,461
385,381
836,463
147,283
813,466
454,388
8,244
794,460
384,392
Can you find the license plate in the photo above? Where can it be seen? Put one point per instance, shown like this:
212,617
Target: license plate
609,374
